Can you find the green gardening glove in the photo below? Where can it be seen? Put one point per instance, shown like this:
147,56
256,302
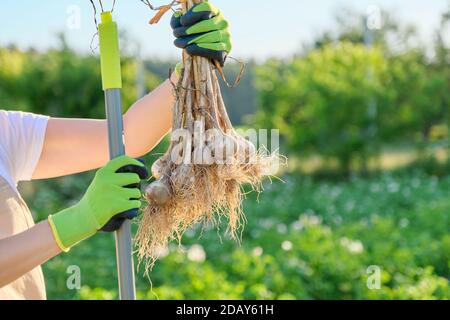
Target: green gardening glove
202,31
105,197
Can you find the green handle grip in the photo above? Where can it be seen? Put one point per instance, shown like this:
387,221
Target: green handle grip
109,53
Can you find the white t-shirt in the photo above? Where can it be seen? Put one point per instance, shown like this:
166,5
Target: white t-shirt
21,141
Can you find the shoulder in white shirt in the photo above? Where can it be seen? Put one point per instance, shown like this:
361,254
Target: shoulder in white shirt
21,140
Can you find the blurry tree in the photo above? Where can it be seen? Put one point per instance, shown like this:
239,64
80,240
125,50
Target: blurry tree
61,82
12,64
320,99
440,64
320,102
391,35
421,88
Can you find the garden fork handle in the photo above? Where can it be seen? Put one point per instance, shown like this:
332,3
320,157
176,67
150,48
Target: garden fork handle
112,84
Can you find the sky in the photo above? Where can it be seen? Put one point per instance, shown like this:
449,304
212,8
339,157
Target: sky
260,28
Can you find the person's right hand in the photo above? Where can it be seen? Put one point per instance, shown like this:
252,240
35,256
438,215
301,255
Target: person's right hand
108,195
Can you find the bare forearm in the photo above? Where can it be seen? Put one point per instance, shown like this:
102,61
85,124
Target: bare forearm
78,145
148,120
25,251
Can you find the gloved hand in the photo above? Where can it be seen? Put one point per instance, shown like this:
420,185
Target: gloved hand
202,31
116,222
105,197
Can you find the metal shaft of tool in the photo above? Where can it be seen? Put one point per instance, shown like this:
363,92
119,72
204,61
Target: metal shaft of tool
112,83
124,254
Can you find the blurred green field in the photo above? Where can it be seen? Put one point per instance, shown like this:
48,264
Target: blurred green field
305,239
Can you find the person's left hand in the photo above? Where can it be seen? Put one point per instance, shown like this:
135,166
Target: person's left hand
202,31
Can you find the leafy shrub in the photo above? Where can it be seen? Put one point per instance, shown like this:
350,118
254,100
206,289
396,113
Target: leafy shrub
344,101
